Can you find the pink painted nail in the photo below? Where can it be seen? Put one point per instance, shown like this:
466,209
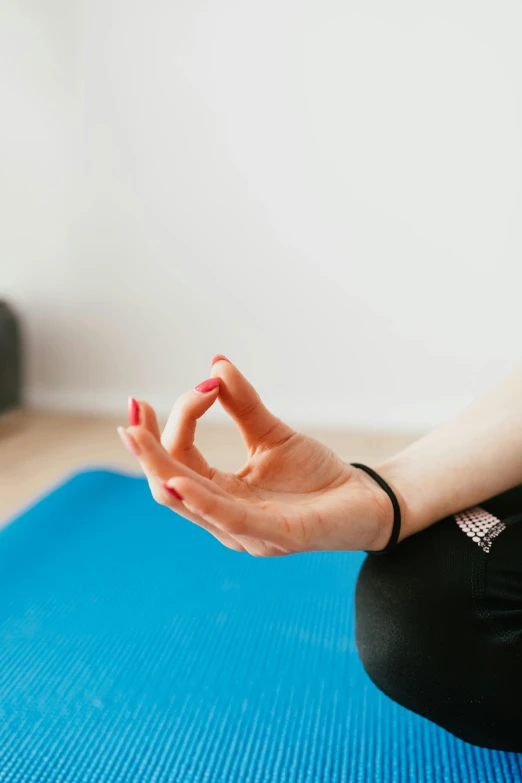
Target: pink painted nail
220,358
133,411
172,491
207,386
128,441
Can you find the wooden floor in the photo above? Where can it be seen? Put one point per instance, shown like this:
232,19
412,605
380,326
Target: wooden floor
38,449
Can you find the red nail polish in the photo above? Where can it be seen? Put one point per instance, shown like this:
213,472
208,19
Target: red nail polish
172,491
133,412
220,358
207,386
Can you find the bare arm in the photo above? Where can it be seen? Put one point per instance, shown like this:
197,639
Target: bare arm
293,494
471,458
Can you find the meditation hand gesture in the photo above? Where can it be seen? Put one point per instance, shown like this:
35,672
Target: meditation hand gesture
292,495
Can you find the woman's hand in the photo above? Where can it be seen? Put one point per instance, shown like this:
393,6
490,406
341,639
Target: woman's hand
292,495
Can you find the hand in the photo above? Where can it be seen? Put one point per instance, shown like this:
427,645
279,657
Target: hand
292,495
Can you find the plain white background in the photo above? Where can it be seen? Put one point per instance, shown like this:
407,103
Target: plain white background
328,192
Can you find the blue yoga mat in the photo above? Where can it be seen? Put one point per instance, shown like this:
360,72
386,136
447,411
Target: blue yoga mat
134,647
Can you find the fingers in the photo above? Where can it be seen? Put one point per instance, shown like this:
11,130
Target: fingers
178,436
158,466
141,413
239,519
238,524
157,463
180,430
170,498
260,428
252,545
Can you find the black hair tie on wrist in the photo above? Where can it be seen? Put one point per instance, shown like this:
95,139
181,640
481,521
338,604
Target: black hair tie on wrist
396,529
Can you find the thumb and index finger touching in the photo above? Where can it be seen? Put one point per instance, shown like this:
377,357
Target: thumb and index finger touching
259,427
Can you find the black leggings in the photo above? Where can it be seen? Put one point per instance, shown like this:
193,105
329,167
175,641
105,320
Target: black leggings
439,622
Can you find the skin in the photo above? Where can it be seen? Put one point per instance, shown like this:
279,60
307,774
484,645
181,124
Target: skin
294,494
472,457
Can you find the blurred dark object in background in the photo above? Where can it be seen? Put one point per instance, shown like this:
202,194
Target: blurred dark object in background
10,359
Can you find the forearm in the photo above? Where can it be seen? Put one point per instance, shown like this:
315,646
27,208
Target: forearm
471,458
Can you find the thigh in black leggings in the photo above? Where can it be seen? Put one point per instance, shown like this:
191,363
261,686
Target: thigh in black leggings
439,622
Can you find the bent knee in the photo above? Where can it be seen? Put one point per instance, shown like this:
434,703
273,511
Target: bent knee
431,637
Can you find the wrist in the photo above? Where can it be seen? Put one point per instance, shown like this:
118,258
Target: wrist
385,507
395,473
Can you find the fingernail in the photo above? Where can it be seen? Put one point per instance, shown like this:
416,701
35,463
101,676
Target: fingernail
207,386
220,358
128,441
133,412
172,491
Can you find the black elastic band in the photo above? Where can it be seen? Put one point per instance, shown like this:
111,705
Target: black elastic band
396,529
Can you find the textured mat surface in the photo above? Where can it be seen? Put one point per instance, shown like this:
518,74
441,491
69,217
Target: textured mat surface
133,647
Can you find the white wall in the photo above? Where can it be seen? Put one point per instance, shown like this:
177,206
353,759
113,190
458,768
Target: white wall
328,192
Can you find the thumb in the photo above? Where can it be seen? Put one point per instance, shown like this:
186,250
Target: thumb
259,427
